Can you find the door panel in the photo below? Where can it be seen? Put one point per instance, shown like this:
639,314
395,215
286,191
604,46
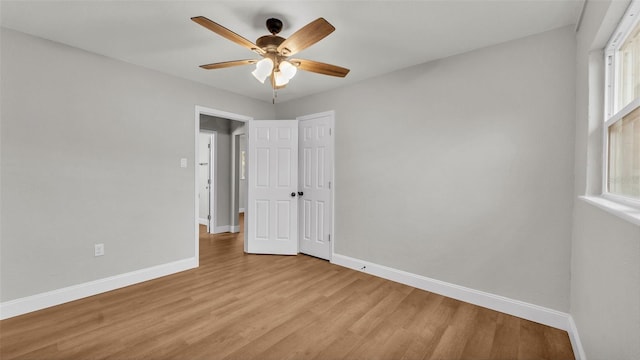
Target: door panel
284,168
273,177
283,220
306,172
203,179
206,143
262,220
305,219
316,166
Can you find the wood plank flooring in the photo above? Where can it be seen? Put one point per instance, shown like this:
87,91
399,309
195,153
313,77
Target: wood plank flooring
239,306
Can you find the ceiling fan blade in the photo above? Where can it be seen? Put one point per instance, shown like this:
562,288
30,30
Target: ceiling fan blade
226,33
320,68
306,36
226,64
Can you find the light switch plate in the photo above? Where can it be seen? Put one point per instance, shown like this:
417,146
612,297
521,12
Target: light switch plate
183,162
98,250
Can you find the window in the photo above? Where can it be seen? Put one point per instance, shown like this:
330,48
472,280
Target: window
622,120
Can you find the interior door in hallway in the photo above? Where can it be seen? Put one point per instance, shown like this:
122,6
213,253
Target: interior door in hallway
273,185
315,177
206,143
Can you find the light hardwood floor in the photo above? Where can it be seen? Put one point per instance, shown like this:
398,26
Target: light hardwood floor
239,306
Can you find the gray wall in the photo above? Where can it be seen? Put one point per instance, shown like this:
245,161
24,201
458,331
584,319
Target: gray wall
605,266
90,154
462,169
605,284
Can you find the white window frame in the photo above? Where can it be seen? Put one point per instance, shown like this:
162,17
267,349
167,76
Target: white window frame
630,19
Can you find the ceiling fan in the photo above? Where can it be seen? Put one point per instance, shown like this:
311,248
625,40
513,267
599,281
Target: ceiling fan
276,51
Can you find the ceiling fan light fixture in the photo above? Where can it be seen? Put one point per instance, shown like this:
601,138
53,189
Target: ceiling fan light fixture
280,78
287,69
276,51
263,69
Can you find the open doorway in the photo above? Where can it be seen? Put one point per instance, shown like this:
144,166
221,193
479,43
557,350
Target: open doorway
224,187
218,171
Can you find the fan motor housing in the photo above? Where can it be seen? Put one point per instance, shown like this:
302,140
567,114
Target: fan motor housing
269,43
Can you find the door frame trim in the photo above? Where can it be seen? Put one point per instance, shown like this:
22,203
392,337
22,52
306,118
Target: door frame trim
332,114
202,110
235,180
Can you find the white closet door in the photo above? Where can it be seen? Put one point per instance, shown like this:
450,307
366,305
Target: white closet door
273,185
316,166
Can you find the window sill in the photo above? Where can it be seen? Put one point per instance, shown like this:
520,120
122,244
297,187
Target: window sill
622,211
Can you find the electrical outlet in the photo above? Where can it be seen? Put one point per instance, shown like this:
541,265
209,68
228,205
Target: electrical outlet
98,250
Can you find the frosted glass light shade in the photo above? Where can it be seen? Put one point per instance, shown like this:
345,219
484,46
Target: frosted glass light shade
263,69
281,79
287,69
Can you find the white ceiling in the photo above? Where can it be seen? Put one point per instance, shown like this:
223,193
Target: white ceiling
371,38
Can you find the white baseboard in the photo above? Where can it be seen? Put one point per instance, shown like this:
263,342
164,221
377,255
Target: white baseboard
225,228
578,350
503,304
202,221
32,303
241,211
221,229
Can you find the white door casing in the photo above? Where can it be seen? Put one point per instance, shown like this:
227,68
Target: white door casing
238,185
273,185
315,184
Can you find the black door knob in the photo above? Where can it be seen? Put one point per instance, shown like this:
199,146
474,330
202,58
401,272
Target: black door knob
293,194
300,193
